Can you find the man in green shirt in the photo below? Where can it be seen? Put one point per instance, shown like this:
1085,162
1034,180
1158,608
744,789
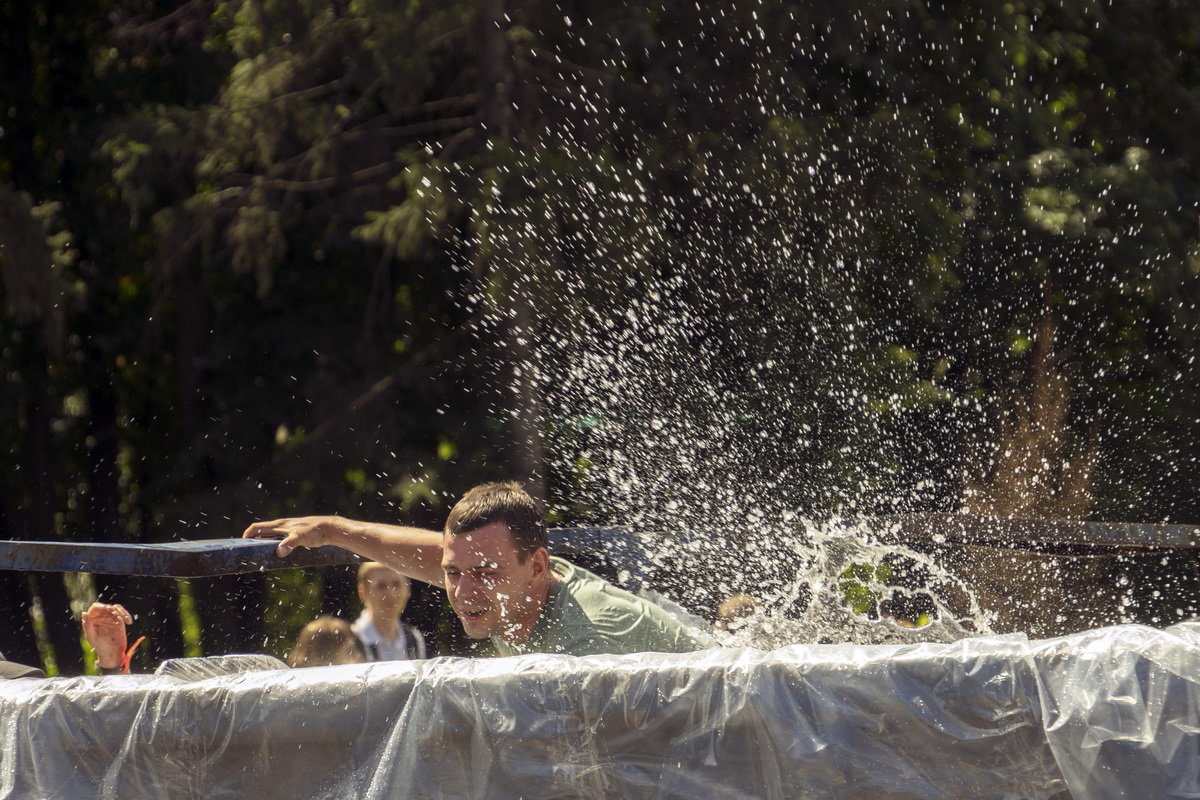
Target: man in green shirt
586,614
500,578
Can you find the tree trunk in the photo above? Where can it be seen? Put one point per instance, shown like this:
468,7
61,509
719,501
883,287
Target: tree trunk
18,68
61,626
231,613
17,639
497,84
153,602
16,631
37,468
104,524
338,591
191,328
528,451
230,607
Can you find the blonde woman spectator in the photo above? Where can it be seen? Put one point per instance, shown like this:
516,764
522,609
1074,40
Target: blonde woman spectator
384,594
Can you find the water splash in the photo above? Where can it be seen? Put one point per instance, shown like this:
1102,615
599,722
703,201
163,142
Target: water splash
858,591
738,336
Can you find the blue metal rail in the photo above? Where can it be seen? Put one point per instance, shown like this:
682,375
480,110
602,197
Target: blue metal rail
210,557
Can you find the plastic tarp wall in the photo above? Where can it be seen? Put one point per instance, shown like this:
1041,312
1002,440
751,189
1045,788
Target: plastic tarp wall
1104,714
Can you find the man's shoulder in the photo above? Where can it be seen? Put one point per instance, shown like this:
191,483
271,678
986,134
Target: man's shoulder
593,593
615,615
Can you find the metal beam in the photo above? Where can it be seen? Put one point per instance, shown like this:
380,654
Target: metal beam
210,557
202,558
1039,535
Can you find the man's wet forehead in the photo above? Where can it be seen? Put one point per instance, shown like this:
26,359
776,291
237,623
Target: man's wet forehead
469,551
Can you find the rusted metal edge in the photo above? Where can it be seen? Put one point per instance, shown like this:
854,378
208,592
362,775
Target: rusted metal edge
202,558
211,557
1041,535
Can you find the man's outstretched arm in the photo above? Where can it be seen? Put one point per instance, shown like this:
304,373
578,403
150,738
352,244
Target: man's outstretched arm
414,552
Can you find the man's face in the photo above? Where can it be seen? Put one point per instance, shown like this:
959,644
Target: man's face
384,592
489,588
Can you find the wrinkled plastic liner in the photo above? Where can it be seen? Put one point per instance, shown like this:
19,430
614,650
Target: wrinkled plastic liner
1104,714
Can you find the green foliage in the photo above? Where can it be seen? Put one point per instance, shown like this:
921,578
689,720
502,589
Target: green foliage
189,620
861,586
293,600
270,241
406,228
46,651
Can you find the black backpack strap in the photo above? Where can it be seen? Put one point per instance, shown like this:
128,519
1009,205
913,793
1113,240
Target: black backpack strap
414,643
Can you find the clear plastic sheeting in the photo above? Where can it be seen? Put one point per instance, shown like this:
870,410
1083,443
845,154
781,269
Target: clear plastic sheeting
1121,710
1106,713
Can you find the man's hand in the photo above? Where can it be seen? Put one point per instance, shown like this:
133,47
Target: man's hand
414,552
104,629
298,532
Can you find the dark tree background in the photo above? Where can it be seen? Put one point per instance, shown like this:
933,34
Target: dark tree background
264,257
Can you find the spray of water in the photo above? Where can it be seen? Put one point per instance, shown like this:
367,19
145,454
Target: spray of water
685,398
719,341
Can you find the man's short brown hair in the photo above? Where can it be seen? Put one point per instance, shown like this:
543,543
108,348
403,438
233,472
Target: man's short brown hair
506,502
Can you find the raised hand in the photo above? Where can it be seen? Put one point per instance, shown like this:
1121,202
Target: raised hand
298,531
104,628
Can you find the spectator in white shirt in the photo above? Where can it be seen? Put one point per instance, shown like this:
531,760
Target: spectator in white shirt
384,594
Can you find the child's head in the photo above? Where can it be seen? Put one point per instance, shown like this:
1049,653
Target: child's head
383,591
325,641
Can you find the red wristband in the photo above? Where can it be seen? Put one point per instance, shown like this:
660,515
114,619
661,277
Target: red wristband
125,659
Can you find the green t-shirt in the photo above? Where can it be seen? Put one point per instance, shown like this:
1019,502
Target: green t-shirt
586,614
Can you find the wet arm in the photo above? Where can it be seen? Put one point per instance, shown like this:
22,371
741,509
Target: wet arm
414,552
